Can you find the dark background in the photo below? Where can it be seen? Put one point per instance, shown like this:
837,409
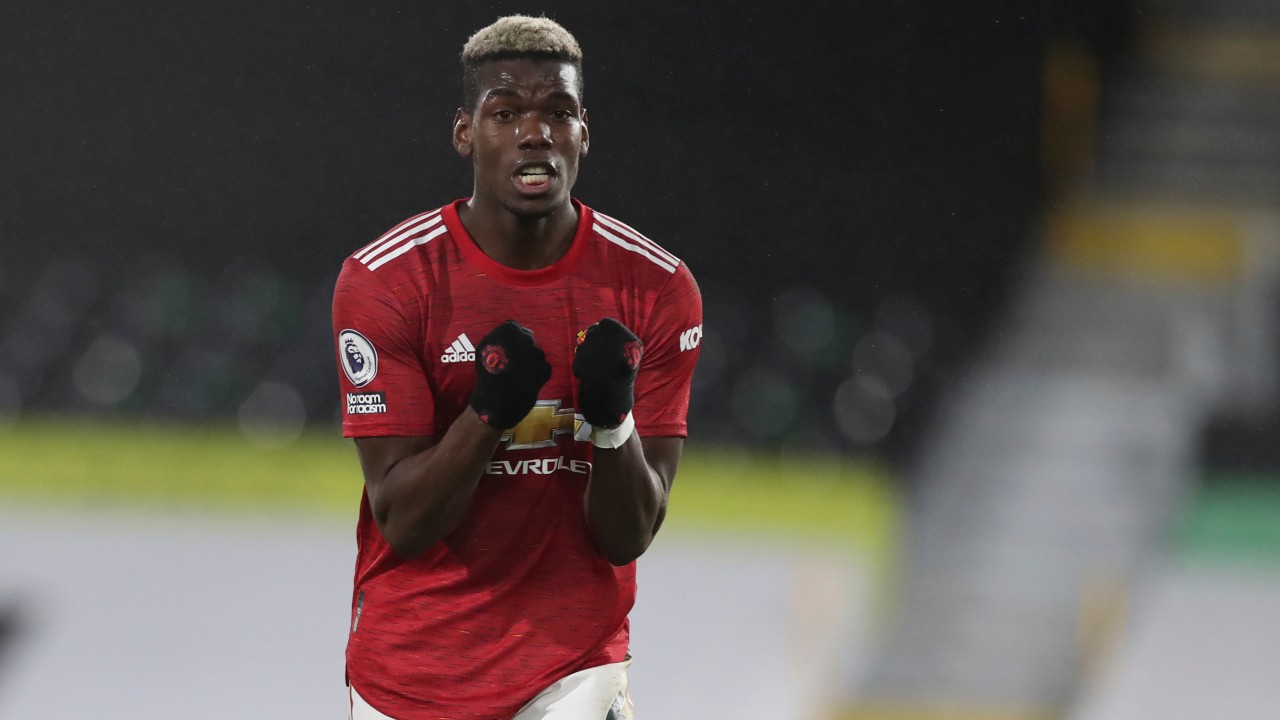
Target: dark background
189,177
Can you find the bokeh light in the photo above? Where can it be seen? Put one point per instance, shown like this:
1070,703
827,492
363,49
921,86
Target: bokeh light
107,371
803,321
273,415
887,358
863,408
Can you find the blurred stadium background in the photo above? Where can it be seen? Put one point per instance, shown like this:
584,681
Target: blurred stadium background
984,425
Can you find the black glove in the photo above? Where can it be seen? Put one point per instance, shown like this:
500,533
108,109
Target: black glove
605,365
510,370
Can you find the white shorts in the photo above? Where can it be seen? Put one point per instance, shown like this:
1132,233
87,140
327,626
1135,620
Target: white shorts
585,695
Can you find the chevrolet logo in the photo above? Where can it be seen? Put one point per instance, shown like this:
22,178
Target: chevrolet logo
541,426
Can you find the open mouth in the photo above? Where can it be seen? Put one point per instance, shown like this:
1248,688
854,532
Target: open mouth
532,176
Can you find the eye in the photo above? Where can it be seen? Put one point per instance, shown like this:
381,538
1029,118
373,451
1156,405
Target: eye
503,115
563,114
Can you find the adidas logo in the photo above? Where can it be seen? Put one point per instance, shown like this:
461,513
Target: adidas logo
460,351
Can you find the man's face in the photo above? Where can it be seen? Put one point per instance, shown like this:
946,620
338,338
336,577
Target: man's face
525,134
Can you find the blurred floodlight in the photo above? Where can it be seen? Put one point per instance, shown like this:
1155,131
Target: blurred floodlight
10,402
273,415
884,356
863,409
804,320
909,320
764,402
108,371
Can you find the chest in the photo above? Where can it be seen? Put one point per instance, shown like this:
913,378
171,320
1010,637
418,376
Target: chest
456,324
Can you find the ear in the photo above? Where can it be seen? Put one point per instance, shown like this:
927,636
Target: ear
586,136
462,133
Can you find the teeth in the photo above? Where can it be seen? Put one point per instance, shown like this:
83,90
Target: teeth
533,178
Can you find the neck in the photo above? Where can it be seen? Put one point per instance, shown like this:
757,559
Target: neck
519,242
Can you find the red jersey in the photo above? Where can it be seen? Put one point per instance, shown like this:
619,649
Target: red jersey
517,596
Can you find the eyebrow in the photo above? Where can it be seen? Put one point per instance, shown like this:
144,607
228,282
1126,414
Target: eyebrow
500,92
562,95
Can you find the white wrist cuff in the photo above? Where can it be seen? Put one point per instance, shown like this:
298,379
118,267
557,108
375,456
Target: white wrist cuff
612,439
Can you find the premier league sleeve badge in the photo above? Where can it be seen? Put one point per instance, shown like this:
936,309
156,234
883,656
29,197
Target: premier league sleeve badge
359,359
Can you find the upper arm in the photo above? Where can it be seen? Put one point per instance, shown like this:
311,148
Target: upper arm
672,336
377,338
379,455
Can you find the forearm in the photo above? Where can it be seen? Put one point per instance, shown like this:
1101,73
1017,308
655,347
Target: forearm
626,501
424,496
631,477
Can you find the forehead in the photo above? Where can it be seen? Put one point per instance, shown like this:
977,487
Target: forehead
527,77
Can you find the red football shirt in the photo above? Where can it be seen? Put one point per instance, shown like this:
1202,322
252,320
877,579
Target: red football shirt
517,596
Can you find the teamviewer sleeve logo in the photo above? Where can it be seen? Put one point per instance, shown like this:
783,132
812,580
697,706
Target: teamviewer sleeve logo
359,359
691,338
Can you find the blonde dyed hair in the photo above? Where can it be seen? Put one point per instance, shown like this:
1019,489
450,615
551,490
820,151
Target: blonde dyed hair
512,37
520,35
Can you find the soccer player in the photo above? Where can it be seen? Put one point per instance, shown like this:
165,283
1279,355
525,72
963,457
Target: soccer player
515,370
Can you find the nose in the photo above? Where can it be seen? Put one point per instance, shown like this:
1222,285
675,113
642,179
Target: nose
533,132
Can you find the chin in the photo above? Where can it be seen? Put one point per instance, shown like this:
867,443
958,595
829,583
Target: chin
536,208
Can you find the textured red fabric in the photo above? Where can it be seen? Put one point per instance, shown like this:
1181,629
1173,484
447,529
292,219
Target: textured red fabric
518,596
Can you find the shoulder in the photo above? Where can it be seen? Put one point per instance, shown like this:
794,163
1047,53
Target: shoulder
381,274
630,246
406,235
